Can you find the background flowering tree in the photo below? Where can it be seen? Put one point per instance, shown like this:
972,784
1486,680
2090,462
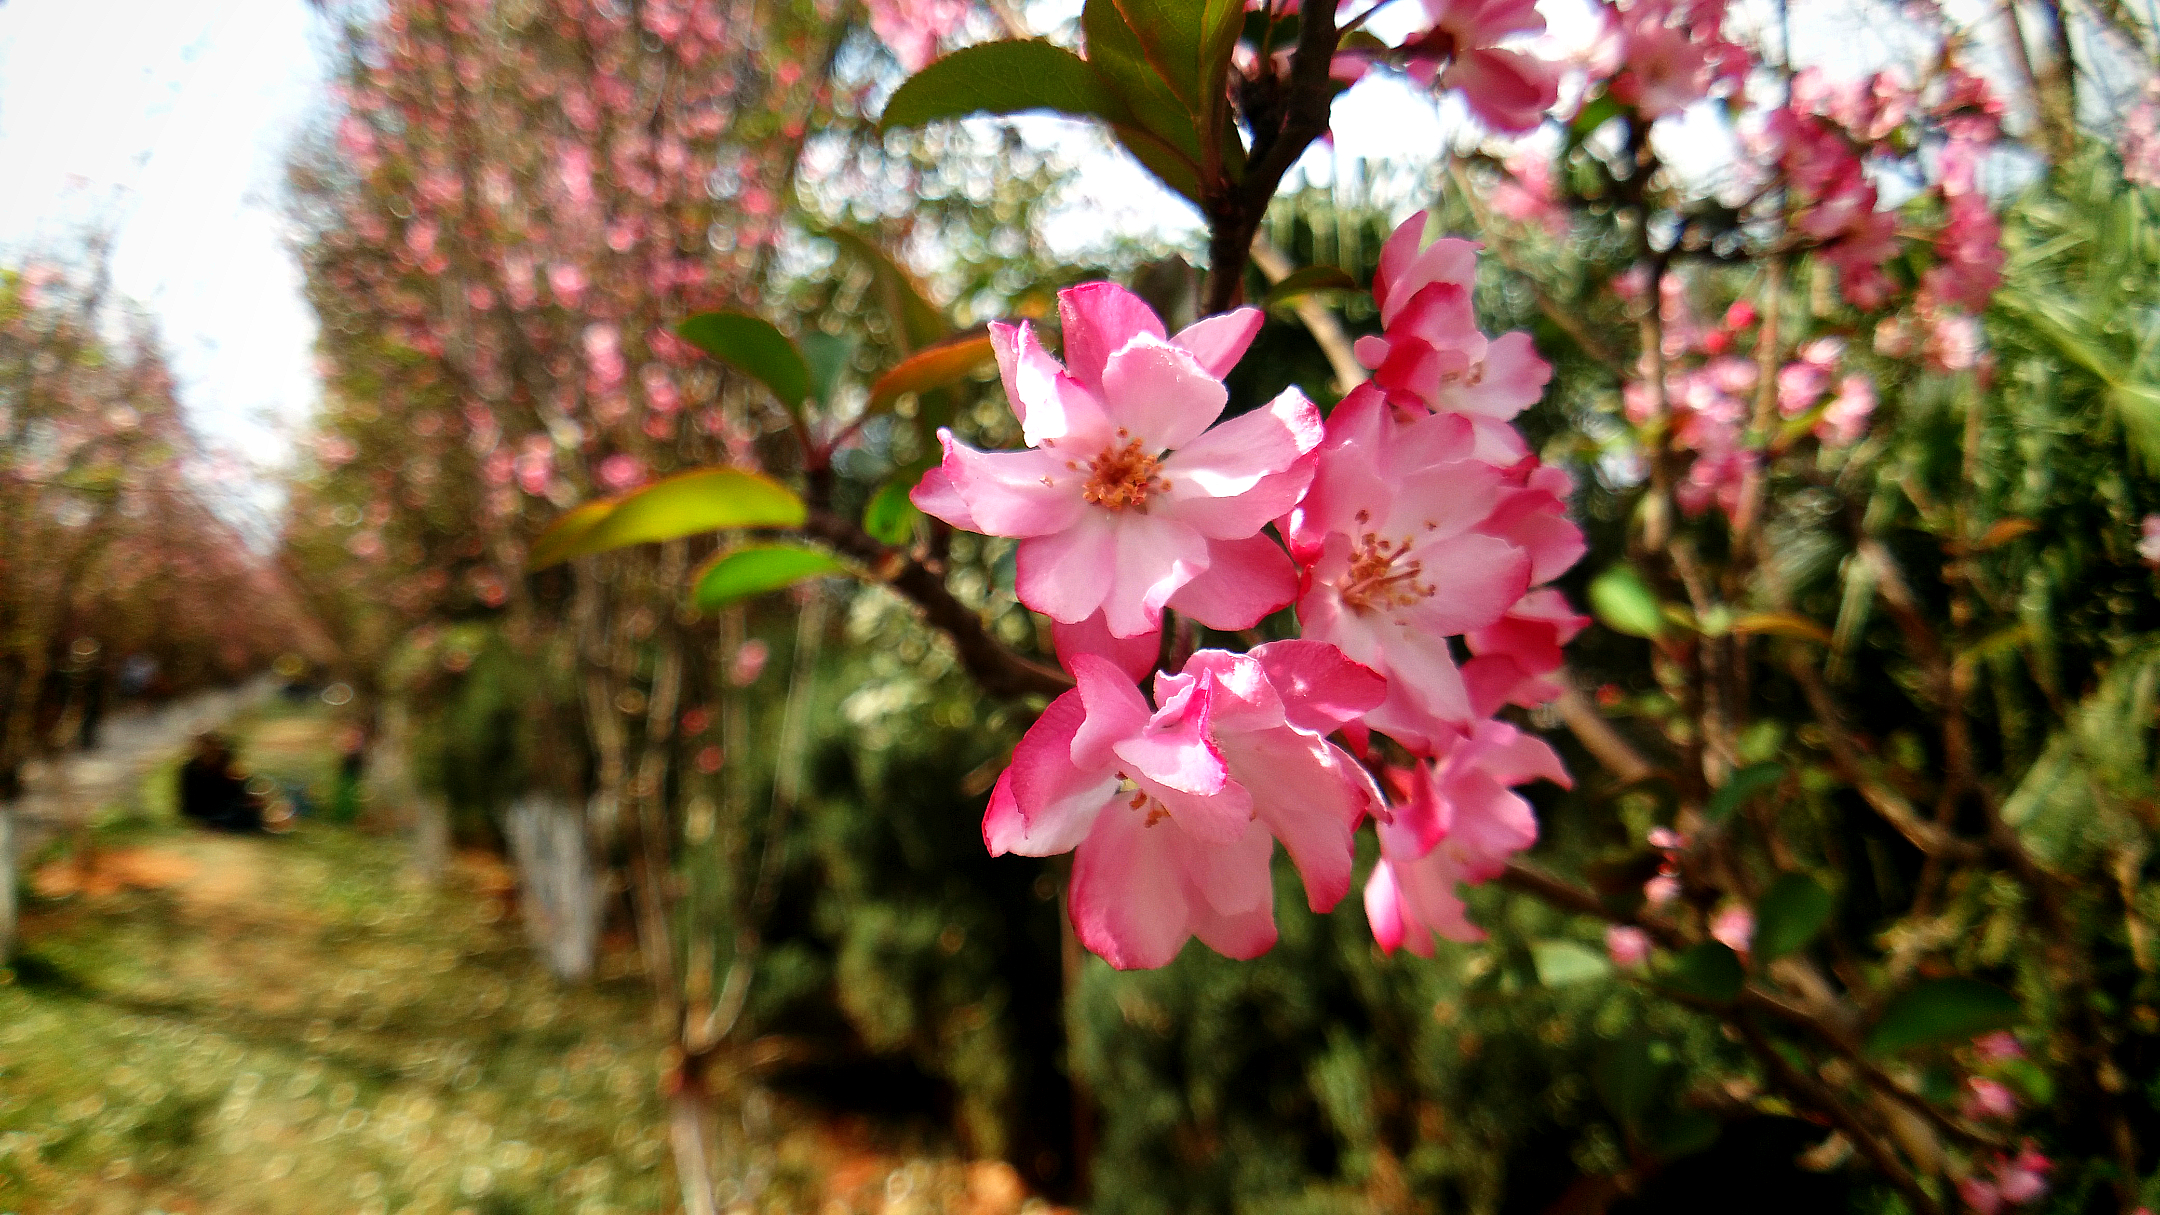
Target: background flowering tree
117,580
1806,409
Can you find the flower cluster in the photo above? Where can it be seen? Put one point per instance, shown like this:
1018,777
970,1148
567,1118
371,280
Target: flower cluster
1411,522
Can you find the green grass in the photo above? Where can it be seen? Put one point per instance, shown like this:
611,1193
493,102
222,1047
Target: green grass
296,1028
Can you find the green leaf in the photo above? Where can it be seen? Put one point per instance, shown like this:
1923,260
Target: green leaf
1943,1010
1709,971
1629,1079
1560,963
758,568
1010,77
1309,279
827,355
702,501
1739,787
1791,912
904,298
890,517
1625,604
753,346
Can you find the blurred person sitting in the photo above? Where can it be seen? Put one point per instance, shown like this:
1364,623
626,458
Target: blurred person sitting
213,790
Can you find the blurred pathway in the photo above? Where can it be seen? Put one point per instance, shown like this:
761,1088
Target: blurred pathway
62,794
205,1024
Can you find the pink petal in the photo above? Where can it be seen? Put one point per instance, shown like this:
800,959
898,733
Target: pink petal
1430,905
1383,909
1061,575
1309,795
1517,758
1052,406
1133,655
1174,748
1053,801
1154,557
1447,260
1243,699
1508,90
1113,711
1231,481
1397,255
1129,903
1218,342
935,495
1426,697
1098,320
1159,395
1475,579
1234,914
1513,380
1244,582
1013,493
1441,501
1490,825
1320,687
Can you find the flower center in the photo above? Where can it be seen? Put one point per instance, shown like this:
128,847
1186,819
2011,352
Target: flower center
1123,477
1380,579
1156,811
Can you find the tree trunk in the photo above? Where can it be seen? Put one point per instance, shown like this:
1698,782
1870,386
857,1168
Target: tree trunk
558,893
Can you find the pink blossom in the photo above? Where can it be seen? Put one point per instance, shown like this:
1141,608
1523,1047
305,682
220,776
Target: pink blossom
1734,927
911,28
1629,947
748,662
1999,1047
1525,193
1845,418
1126,500
1173,812
1430,353
2148,545
568,283
1672,54
1458,821
1971,253
1508,90
1985,1098
621,471
1394,561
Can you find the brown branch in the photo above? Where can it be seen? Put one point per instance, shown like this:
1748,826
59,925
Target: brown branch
1283,126
998,670
1598,737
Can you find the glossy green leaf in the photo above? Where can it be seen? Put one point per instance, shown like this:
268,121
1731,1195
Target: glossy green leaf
1308,279
758,568
702,501
1789,915
753,346
1739,787
1624,603
1560,963
1010,77
890,517
1940,1011
827,355
1119,55
1709,971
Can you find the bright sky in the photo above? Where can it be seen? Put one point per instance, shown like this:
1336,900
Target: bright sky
167,122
